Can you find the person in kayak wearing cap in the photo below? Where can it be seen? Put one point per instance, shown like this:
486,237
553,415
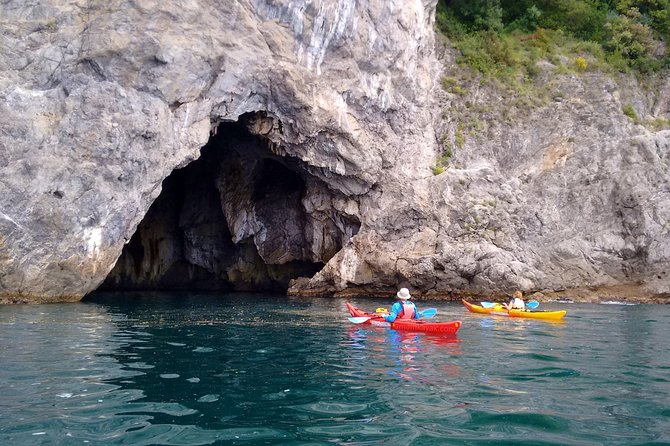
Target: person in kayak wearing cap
404,309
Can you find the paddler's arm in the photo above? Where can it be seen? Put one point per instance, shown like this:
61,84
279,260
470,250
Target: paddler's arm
395,309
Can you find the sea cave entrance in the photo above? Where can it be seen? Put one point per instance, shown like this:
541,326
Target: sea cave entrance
239,218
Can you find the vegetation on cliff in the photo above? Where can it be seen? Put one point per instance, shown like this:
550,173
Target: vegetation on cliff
520,49
497,37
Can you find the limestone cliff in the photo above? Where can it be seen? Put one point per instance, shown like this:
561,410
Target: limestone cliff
101,102
239,145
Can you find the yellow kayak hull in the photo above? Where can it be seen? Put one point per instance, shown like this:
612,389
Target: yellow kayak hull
502,311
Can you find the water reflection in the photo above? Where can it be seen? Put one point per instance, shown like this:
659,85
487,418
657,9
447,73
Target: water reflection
409,356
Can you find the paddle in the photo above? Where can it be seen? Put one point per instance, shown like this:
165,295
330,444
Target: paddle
359,320
533,304
427,313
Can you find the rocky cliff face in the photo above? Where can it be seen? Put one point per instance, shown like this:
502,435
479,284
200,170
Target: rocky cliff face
568,197
101,103
206,144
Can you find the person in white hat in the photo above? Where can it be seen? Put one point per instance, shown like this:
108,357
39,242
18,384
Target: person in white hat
403,309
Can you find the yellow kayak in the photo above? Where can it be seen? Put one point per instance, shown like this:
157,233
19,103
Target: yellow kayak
502,311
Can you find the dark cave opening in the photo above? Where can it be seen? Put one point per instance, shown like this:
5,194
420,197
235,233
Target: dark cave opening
235,219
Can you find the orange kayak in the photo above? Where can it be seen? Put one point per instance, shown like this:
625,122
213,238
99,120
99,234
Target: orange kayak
424,326
502,311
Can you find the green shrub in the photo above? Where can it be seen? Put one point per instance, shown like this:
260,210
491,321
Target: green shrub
459,137
450,84
437,169
655,12
659,124
531,68
583,19
443,160
478,14
629,111
528,21
505,38
627,37
447,153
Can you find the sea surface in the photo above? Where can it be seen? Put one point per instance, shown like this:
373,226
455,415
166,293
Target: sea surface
196,369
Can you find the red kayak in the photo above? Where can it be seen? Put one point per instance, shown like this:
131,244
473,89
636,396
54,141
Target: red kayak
450,327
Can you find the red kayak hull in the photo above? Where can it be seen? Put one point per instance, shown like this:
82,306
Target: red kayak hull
450,327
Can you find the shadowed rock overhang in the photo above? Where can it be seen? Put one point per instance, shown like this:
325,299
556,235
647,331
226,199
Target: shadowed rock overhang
238,218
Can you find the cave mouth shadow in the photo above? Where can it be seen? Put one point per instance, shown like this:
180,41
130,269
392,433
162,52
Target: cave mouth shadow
235,219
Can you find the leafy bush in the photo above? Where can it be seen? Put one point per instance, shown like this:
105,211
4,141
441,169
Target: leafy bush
478,14
450,84
459,137
528,21
629,111
655,12
437,169
582,18
508,37
443,161
629,39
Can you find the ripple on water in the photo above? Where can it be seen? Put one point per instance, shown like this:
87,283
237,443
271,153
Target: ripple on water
176,435
543,372
139,365
369,432
203,350
511,420
332,408
210,398
541,357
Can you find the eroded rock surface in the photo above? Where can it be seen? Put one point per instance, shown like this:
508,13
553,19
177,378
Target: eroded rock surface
101,103
570,198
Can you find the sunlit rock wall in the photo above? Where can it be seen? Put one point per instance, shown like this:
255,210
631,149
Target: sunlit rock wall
102,101
569,197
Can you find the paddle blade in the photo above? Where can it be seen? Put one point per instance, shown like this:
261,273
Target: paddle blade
359,320
428,312
489,304
533,304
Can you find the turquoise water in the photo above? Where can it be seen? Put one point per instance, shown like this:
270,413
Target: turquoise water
149,369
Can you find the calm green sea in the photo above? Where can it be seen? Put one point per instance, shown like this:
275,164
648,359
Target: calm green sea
187,369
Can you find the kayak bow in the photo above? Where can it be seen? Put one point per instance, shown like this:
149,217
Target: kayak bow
450,327
502,311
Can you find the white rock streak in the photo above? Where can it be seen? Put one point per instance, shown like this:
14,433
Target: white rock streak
10,219
329,25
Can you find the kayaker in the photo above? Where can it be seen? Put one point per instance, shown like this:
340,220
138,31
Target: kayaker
517,302
404,309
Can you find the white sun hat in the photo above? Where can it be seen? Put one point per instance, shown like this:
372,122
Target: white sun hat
403,294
